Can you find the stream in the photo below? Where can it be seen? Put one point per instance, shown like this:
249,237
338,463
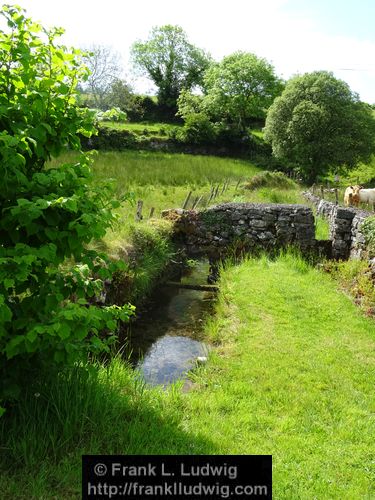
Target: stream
166,339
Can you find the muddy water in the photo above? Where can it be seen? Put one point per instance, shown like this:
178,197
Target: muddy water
166,340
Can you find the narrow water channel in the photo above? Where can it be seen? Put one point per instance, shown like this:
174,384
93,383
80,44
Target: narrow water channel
166,339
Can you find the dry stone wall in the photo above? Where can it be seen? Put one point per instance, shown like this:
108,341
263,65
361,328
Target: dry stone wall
347,238
246,226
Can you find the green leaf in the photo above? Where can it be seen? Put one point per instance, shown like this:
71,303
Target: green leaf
8,283
64,331
32,335
11,348
111,325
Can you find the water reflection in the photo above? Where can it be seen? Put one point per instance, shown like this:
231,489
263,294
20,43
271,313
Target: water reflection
170,358
165,340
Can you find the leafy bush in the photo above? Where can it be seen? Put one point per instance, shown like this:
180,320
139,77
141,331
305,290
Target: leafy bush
114,115
111,115
47,215
144,108
271,180
197,130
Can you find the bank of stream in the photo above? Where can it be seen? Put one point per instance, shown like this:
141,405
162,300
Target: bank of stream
167,337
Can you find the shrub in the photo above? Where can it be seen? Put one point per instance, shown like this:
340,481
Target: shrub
197,130
144,108
114,115
271,180
47,215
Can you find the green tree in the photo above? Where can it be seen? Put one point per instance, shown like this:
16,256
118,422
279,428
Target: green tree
318,124
240,88
171,62
48,215
120,95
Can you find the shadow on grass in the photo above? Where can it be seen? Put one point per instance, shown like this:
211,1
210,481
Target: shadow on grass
90,410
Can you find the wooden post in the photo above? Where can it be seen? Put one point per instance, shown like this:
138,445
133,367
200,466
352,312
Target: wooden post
322,191
199,200
313,189
184,206
337,196
138,215
223,189
195,202
152,212
238,183
216,191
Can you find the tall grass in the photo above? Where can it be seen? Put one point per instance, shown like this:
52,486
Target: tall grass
321,228
144,168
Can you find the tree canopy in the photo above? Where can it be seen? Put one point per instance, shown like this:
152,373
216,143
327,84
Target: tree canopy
242,86
171,62
318,124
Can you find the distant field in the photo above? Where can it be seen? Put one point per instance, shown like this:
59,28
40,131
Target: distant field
142,128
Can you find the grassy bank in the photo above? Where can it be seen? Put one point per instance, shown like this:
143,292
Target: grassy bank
293,379
291,376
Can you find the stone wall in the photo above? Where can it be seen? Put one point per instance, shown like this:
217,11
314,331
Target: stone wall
247,226
347,238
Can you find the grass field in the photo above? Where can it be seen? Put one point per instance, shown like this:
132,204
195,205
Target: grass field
163,181
143,128
292,375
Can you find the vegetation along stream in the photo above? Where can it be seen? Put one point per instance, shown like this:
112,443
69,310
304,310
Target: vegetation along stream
166,340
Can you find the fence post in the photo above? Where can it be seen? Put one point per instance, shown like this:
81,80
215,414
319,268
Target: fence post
216,191
152,212
336,196
322,191
187,200
195,202
138,215
238,183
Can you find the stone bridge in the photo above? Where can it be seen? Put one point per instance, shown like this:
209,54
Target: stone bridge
251,226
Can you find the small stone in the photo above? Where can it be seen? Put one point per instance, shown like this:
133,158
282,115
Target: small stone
201,360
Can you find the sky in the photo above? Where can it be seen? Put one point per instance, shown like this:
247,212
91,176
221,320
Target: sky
296,36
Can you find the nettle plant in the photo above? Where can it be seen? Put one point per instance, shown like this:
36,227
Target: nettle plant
47,275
